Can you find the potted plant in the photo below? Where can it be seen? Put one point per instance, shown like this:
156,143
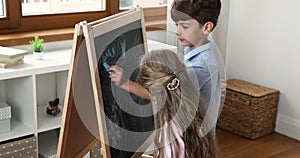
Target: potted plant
37,46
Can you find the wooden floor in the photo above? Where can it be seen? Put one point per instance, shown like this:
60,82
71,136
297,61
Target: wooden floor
271,146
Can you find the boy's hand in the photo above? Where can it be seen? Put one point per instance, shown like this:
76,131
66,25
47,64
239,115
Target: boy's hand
118,76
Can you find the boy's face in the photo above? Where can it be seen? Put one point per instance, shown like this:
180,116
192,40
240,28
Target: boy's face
190,33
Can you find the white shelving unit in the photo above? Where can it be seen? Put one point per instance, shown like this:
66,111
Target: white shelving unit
29,87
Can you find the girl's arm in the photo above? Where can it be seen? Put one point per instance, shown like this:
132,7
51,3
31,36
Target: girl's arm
118,78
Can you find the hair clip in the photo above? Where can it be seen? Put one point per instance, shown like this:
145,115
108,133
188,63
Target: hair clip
174,84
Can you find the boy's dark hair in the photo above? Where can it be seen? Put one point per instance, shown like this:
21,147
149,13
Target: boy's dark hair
200,10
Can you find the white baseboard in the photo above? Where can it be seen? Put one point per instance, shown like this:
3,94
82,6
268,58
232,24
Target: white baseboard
288,126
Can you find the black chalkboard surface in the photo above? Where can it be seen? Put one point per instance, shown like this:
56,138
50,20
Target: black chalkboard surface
128,118
125,49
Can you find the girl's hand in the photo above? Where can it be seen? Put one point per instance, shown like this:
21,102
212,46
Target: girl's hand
118,76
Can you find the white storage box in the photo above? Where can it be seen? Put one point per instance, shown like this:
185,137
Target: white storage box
5,116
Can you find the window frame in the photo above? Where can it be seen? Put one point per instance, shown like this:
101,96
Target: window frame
13,12
15,22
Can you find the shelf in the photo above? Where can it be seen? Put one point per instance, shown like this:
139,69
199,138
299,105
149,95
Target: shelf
48,87
52,61
27,88
17,130
45,122
48,143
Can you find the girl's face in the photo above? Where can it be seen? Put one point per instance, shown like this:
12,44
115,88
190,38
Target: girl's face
190,33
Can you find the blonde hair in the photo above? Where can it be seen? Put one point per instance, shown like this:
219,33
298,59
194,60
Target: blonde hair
182,104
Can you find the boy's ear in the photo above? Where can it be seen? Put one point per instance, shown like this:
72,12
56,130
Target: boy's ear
208,27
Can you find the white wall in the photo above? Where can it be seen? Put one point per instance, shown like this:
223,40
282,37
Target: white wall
259,40
220,32
263,47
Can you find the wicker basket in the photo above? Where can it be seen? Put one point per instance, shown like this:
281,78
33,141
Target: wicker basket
249,109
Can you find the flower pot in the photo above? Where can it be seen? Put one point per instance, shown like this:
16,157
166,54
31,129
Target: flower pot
38,55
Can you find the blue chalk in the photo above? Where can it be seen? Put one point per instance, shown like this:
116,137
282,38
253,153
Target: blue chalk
105,65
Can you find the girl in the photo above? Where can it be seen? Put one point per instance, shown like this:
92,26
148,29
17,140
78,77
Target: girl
178,110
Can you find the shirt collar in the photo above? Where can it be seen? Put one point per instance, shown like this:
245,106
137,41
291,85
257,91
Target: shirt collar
188,53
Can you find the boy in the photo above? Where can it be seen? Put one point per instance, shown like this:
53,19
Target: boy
195,20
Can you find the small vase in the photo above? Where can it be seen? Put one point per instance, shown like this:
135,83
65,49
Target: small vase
38,55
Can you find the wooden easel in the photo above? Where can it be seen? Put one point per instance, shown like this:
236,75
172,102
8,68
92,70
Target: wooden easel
75,138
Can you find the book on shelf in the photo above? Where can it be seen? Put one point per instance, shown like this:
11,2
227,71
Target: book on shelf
11,60
7,52
7,65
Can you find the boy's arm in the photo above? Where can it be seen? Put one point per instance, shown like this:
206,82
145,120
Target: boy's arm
118,78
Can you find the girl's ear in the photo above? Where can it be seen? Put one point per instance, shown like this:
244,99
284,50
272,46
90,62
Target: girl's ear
208,27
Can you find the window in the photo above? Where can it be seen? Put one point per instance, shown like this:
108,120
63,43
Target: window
34,17
53,14
20,16
124,4
37,7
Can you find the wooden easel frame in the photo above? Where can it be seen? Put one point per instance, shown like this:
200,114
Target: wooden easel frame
72,128
75,140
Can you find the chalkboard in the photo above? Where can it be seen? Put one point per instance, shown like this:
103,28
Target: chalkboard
128,119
